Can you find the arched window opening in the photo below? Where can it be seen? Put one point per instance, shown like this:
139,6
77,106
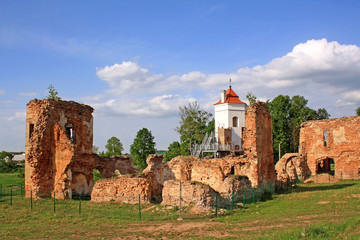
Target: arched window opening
235,122
31,130
70,133
325,139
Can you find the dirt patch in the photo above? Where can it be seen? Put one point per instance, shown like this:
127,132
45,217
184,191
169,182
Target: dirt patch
307,217
323,202
181,229
264,227
356,195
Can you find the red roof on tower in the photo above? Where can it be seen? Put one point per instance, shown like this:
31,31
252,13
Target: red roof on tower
231,97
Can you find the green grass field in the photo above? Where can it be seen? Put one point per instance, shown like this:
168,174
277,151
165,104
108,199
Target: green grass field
309,211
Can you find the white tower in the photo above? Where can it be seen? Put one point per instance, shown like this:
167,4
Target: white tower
229,119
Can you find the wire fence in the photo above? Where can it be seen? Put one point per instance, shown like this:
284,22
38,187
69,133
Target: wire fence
15,196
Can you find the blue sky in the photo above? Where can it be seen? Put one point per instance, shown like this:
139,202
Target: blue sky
135,62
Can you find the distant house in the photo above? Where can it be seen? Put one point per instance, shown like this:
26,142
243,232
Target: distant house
19,159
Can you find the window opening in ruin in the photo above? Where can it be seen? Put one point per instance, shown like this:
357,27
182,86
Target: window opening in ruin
232,171
237,147
326,165
235,122
31,130
69,130
325,139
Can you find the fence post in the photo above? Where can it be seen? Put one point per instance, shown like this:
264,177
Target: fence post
79,203
139,208
54,202
180,201
21,190
31,203
10,197
253,195
216,204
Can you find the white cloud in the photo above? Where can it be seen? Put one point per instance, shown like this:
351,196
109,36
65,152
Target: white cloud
326,73
2,91
18,116
352,95
127,76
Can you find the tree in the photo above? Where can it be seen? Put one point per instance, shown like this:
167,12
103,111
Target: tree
358,111
53,94
193,124
175,149
251,98
114,147
142,146
287,115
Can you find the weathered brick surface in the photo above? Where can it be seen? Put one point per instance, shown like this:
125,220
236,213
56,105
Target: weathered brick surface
108,165
342,145
192,193
54,163
258,144
292,166
57,161
122,189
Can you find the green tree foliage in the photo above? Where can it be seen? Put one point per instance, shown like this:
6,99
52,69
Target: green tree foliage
287,116
358,111
194,123
251,98
113,147
142,146
53,93
6,164
175,149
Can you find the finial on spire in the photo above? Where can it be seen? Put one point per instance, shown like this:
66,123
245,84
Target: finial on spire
230,83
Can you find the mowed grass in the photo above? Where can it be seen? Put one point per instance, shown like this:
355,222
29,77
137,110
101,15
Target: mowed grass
309,211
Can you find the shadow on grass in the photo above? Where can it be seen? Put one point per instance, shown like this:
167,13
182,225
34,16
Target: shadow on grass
309,188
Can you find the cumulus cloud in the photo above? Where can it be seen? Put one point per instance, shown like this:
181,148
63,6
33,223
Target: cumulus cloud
127,76
322,71
161,105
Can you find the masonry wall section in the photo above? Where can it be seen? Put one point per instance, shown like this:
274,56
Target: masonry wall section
332,139
58,148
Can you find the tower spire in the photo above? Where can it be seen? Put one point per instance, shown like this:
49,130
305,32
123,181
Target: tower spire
230,84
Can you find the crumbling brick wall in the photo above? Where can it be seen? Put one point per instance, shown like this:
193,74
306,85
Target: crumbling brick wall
58,146
258,144
108,165
337,140
122,189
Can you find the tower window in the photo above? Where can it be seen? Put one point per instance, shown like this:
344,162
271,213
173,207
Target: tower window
235,122
70,133
325,139
31,130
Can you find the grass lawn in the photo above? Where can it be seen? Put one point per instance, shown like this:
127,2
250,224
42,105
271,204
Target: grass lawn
310,211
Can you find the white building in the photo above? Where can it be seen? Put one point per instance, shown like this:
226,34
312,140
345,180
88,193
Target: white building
229,119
